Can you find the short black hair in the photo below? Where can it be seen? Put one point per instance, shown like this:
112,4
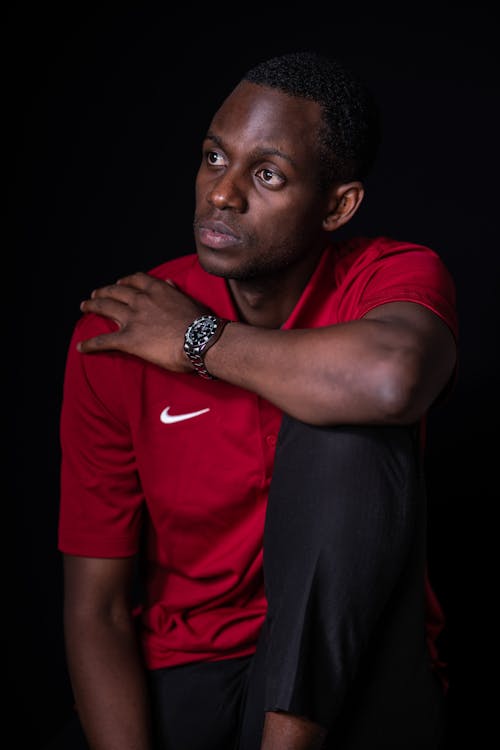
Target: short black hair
350,137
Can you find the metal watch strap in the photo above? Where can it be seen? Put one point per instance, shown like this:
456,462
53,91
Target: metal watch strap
197,356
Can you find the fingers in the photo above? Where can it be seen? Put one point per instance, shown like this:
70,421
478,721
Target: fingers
116,300
119,293
103,342
139,280
125,288
109,308
143,281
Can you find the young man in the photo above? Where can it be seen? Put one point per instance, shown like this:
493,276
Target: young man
293,613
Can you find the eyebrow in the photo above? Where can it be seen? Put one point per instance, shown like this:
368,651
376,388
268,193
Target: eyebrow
257,153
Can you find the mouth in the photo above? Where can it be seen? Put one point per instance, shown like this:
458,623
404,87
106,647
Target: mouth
216,234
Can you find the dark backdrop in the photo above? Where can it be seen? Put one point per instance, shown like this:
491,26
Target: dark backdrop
105,114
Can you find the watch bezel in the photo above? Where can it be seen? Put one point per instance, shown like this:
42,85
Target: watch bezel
191,345
196,351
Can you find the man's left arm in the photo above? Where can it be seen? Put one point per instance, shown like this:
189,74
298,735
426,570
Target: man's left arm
385,368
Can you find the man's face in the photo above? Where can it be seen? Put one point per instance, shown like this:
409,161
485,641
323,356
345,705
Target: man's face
259,208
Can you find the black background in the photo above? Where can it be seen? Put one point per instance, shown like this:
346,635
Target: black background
105,111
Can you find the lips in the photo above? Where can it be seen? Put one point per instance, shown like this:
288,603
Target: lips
216,234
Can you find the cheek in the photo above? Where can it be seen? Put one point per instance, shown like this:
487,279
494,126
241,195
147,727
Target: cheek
285,230
287,219
302,229
203,183
199,186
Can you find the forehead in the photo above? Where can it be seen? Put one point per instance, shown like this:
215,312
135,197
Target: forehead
254,116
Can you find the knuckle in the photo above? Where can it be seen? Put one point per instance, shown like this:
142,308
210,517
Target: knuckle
99,341
103,291
148,280
98,304
139,278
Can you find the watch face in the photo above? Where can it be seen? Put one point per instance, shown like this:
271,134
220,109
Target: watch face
201,331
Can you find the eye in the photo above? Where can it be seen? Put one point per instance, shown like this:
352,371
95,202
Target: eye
214,159
270,177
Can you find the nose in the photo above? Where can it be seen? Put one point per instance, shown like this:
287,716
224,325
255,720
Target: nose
225,193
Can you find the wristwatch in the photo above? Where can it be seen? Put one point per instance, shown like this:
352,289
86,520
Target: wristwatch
199,337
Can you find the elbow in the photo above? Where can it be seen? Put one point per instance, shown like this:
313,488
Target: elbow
398,393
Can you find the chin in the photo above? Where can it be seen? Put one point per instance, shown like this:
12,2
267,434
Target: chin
212,262
232,266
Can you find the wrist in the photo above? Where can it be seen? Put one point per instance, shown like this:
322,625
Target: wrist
199,337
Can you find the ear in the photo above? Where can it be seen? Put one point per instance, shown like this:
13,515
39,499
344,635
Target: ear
343,203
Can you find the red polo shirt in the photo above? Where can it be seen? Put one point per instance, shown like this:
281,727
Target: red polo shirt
197,455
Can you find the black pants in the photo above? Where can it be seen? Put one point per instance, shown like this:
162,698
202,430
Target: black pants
344,640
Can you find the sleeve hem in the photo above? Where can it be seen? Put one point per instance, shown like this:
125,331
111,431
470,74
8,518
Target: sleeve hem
446,316
91,547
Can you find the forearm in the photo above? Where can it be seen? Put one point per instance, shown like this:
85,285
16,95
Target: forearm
109,684
284,731
325,376
386,368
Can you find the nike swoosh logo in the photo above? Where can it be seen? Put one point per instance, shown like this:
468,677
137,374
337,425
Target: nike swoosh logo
168,418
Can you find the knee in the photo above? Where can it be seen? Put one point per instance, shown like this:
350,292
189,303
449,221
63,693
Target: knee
305,450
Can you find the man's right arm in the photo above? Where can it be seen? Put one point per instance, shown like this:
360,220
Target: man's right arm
104,661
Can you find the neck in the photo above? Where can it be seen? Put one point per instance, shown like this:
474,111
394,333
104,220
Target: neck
268,302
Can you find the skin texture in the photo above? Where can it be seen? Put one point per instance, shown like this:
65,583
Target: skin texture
102,654
261,222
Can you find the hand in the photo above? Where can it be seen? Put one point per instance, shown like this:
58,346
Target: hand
152,316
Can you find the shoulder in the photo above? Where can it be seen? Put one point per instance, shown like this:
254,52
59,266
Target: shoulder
392,261
375,271
366,250
176,269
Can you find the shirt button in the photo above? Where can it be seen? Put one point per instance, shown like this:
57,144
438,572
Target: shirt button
271,440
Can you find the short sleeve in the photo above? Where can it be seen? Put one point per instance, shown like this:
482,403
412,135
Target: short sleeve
396,272
101,497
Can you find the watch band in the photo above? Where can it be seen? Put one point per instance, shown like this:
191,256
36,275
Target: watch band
200,335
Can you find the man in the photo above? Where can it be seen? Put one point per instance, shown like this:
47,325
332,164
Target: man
287,614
